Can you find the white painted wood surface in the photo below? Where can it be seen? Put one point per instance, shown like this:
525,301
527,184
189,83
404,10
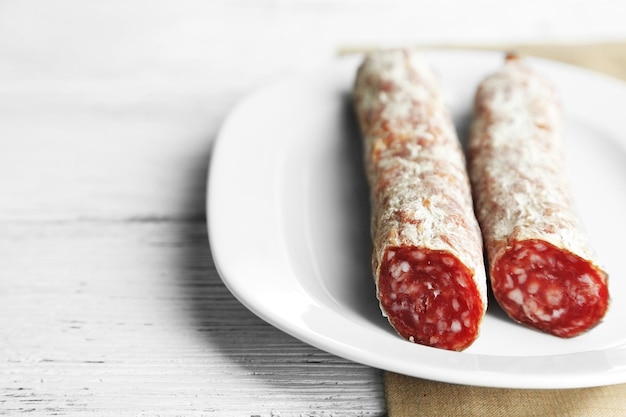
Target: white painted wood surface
110,304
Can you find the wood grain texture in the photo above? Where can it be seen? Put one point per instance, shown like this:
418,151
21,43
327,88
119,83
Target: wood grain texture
131,318
110,304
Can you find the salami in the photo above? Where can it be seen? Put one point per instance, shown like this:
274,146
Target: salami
427,259
542,269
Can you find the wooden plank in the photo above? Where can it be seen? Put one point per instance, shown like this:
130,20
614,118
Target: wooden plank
107,155
131,318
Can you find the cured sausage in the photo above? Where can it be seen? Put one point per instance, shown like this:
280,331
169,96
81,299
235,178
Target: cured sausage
427,259
542,269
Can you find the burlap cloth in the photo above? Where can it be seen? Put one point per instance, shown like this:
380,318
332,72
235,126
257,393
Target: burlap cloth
407,396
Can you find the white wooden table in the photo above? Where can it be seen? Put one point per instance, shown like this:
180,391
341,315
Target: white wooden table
110,303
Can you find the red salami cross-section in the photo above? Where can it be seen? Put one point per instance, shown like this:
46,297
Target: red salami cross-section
427,256
542,269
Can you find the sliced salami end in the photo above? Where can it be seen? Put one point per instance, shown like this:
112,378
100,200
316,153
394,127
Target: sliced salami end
427,255
549,288
544,272
430,297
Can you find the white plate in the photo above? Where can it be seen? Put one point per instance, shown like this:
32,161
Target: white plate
288,219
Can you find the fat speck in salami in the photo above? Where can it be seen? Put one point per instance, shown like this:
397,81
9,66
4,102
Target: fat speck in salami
542,269
428,255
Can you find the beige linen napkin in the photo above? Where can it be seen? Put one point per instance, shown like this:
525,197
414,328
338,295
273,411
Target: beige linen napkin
407,396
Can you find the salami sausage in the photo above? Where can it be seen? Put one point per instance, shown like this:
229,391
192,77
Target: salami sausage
427,259
542,269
